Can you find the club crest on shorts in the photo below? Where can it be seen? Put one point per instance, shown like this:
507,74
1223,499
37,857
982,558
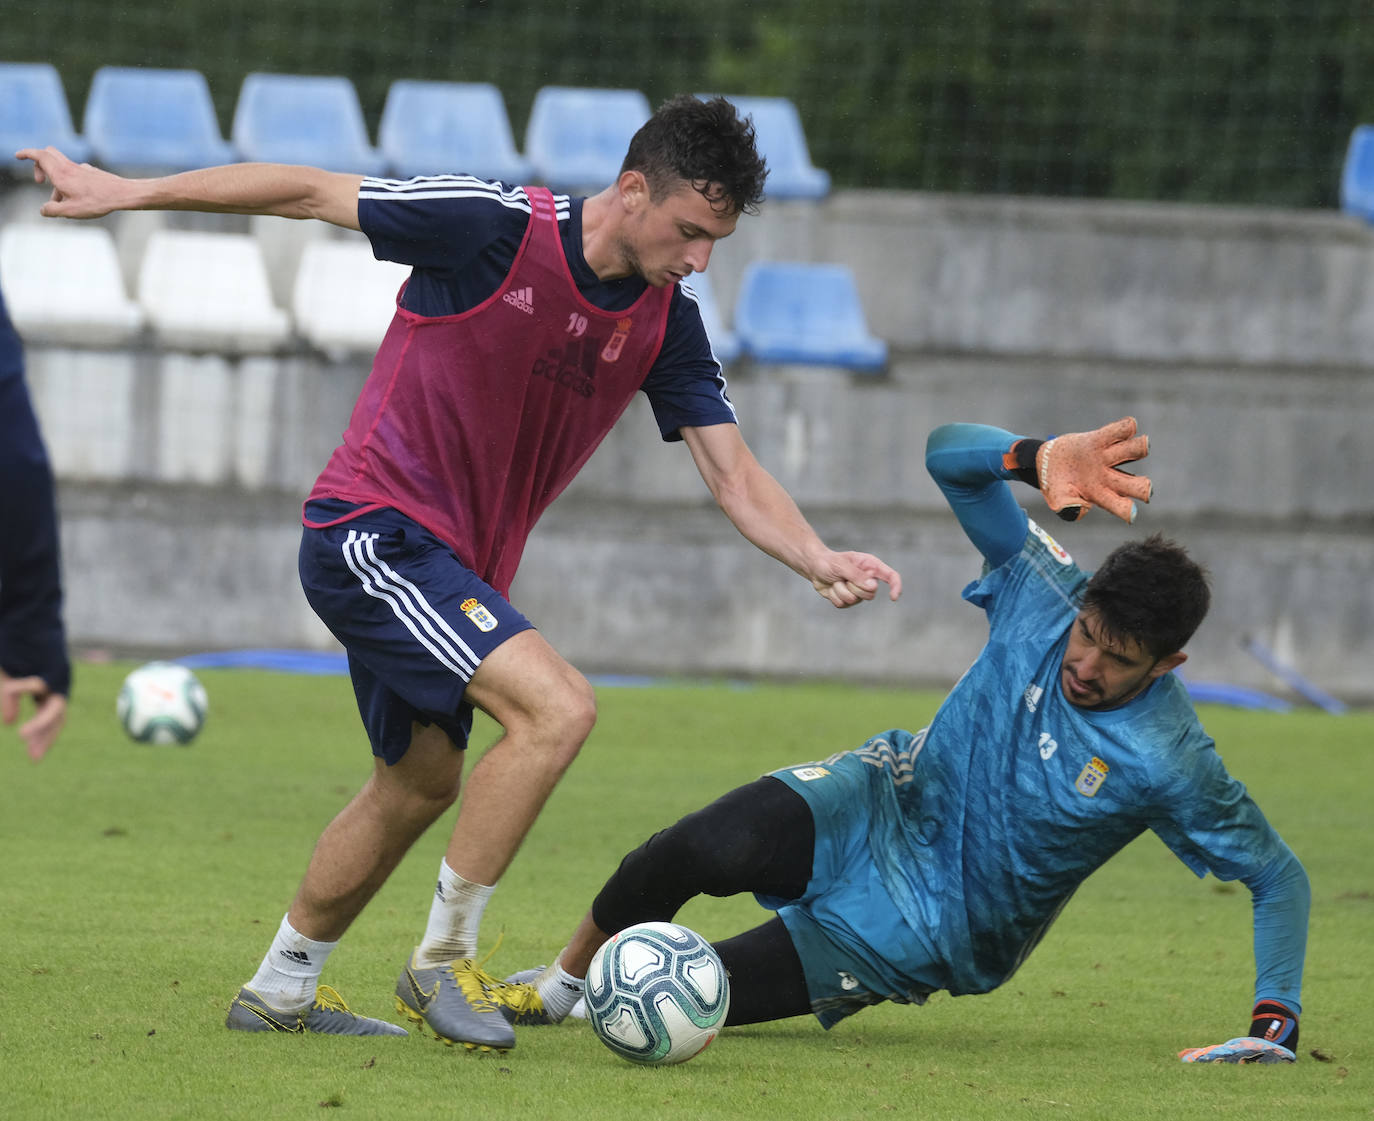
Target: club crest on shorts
481,618
1091,777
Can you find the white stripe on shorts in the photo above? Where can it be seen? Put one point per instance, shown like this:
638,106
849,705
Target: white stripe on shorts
430,628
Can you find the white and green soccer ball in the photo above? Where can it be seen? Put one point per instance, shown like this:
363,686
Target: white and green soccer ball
162,702
657,993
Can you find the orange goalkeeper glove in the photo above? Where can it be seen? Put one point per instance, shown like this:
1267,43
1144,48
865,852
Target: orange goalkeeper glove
1080,470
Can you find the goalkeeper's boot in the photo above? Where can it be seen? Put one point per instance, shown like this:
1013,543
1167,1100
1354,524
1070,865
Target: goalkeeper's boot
458,1001
329,1015
521,1003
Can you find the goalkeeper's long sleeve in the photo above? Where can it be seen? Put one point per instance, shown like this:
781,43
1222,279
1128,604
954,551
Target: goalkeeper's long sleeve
965,460
1282,897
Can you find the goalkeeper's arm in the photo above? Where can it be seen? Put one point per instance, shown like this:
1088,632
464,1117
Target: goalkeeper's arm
971,464
1282,897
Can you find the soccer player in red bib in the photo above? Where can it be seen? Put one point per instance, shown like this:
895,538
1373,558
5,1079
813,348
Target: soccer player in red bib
528,323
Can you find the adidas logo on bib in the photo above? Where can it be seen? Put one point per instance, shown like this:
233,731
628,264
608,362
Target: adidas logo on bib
523,298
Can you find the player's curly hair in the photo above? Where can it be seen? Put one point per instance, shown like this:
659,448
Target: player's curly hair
706,144
1151,592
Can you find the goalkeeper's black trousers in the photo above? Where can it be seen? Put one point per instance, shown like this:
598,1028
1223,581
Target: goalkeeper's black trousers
758,838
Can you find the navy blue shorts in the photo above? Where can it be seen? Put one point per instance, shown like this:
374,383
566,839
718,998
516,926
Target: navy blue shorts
416,622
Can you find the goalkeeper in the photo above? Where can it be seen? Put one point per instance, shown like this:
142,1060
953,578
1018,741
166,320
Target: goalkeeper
938,859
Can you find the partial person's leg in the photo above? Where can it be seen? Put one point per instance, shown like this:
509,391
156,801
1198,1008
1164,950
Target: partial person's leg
758,838
546,710
355,854
361,847
416,624
766,977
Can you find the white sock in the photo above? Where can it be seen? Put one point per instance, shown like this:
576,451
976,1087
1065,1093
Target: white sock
290,972
559,990
454,918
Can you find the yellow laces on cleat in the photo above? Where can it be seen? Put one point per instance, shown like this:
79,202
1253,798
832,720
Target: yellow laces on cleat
482,990
521,998
487,993
475,984
327,999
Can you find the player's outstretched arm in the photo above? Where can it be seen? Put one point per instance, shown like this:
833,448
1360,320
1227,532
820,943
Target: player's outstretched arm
82,191
765,514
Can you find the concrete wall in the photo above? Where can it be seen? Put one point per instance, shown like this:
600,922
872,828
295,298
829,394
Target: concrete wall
1241,339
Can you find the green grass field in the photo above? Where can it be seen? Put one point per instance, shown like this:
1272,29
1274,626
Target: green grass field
142,885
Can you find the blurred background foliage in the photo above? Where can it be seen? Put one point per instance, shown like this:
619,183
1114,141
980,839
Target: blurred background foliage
1226,101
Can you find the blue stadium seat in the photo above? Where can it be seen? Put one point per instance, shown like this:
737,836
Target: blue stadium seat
294,118
724,342
805,313
782,142
437,128
576,138
1357,177
34,114
146,120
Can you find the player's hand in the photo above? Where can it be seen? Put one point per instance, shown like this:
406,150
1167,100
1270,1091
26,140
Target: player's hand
78,189
1273,1038
1242,1049
41,731
849,578
1080,470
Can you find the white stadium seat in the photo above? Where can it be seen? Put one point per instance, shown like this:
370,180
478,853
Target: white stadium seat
209,291
63,285
344,297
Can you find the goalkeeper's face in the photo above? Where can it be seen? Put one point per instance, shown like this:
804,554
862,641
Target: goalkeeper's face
1100,671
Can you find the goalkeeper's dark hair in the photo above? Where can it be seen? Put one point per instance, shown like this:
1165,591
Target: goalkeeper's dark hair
1151,592
706,144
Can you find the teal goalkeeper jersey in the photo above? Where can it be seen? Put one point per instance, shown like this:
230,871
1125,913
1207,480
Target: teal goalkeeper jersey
1016,796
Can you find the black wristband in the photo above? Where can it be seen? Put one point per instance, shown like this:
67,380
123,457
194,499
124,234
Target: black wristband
1272,1021
1020,461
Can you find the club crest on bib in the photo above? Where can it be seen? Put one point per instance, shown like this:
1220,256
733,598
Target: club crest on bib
611,351
481,618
